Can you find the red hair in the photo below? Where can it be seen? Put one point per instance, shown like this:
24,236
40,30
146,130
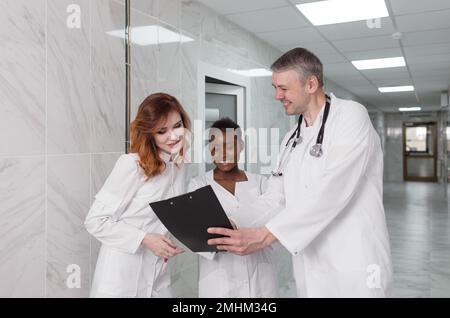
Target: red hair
152,111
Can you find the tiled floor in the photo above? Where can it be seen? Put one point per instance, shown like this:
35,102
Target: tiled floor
419,226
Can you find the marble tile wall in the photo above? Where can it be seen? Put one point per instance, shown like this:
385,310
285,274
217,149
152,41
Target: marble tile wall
22,149
22,227
68,99
108,77
62,89
68,244
22,77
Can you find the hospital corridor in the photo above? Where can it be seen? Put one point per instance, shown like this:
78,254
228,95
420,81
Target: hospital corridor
335,182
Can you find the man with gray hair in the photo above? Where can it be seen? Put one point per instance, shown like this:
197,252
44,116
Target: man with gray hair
330,175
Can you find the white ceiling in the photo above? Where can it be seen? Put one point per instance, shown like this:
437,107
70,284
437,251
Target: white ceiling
425,44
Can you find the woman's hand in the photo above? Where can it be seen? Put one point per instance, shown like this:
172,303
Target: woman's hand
160,245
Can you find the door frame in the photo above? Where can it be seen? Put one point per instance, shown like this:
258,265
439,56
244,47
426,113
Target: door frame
237,91
434,178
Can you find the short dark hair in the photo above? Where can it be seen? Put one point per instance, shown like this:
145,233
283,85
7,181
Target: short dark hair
225,123
304,62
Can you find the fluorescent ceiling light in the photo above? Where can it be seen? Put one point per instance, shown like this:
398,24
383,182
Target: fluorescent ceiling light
254,72
151,35
339,11
394,89
379,63
409,109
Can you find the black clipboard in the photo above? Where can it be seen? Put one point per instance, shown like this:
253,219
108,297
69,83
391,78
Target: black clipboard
188,216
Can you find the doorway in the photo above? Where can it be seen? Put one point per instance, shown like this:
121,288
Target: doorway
420,151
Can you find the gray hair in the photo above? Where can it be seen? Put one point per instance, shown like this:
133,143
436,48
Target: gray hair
304,62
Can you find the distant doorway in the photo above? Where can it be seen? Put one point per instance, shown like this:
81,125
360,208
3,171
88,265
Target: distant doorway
420,152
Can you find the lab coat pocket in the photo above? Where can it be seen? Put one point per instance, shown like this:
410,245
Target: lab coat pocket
120,273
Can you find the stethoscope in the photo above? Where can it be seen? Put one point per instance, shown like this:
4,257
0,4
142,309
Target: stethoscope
316,149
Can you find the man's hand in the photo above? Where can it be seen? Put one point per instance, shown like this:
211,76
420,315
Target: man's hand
243,241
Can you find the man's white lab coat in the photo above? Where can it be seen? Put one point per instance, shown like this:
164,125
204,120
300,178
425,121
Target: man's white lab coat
119,218
333,223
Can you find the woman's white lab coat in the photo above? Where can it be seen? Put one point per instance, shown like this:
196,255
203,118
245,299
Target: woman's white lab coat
333,222
119,218
223,275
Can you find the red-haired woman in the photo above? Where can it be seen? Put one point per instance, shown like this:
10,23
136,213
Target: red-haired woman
135,246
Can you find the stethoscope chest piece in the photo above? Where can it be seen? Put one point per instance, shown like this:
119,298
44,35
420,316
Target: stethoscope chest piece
316,150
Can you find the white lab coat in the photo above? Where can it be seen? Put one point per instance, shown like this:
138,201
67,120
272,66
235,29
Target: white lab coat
119,218
224,275
333,222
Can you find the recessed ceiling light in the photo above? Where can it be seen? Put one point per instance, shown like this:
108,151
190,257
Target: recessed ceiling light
254,72
379,63
409,109
151,35
394,89
339,11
